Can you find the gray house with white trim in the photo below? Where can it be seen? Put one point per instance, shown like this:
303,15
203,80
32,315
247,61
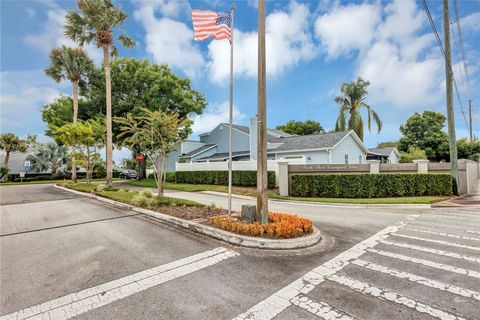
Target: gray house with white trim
343,147
385,155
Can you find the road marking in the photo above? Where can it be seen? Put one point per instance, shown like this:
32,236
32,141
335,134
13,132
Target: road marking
430,250
80,302
418,279
473,231
443,234
321,309
388,295
282,299
427,263
437,241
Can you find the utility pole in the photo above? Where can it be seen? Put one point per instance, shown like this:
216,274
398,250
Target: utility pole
470,118
262,199
449,87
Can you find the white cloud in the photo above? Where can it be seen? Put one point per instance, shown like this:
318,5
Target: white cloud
288,42
214,115
395,55
167,40
347,28
471,22
51,35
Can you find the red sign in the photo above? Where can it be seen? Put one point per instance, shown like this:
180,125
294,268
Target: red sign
139,157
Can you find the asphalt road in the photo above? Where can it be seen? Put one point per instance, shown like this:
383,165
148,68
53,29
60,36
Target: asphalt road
63,255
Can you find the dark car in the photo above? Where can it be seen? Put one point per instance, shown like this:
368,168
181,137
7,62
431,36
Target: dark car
128,175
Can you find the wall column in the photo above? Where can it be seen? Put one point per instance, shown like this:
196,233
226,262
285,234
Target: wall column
422,165
374,166
283,178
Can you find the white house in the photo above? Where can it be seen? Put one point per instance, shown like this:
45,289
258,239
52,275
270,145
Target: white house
342,147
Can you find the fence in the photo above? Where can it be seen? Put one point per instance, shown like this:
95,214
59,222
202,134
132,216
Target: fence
468,171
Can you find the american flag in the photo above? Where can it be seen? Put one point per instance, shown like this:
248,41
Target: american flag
208,23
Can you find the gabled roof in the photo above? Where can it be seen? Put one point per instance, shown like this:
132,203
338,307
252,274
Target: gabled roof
198,150
272,134
314,141
383,151
224,155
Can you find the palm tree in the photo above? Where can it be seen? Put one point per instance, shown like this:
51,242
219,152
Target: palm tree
352,99
10,142
96,21
48,156
73,65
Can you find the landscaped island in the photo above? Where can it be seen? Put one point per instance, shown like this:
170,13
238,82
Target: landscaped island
279,226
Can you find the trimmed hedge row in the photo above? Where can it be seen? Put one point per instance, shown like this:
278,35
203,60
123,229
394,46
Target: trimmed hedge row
242,178
370,185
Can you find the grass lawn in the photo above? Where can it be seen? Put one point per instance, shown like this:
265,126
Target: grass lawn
49,181
250,191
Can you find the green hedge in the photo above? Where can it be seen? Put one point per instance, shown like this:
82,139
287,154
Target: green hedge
370,185
239,178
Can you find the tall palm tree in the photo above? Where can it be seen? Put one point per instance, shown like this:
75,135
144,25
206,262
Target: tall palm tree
351,100
96,22
48,156
73,65
10,142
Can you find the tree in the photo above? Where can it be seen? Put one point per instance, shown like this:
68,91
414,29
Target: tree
48,156
157,133
425,131
10,142
138,84
96,21
468,149
87,137
129,164
72,65
301,128
412,154
351,100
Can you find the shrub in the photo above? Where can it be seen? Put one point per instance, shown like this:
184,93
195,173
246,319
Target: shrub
141,200
101,187
370,185
280,225
169,177
242,178
147,193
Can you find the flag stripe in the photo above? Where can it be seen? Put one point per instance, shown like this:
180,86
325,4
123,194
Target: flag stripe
208,23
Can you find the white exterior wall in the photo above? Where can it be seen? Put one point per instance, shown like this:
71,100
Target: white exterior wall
393,158
314,157
348,146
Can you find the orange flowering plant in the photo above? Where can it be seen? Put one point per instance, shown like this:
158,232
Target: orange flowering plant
280,225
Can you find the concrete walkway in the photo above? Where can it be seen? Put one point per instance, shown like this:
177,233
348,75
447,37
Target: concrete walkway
465,200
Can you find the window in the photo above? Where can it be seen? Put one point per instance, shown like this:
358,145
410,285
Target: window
346,159
360,159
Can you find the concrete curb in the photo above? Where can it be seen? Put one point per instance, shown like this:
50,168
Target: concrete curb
327,204
232,238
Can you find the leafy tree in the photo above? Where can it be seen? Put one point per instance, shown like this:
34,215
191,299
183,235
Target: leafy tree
412,154
96,21
468,149
48,156
388,144
138,84
301,128
10,142
73,65
87,137
129,163
157,133
351,100
425,131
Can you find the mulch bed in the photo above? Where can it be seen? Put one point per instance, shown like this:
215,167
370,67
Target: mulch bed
190,213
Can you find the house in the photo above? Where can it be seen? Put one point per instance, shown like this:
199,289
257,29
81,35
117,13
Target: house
385,155
342,147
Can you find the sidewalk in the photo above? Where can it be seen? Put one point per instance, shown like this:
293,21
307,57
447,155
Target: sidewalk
466,200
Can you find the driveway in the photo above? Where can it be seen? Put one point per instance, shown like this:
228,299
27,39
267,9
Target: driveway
64,255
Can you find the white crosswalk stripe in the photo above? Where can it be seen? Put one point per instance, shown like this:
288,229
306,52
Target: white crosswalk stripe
418,279
443,234
388,295
427,263
321,309
430,250
446,243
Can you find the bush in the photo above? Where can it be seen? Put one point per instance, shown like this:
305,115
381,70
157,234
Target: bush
280,225
147,193
239,178
101,187
141,200
370,185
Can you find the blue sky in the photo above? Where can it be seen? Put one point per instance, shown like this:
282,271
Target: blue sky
312,47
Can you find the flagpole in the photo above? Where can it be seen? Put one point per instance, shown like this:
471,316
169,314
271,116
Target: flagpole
230,117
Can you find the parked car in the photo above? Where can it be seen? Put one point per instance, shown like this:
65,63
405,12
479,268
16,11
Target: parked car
128,175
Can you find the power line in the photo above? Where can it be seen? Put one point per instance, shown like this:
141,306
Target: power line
456,53
439,42
459,29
